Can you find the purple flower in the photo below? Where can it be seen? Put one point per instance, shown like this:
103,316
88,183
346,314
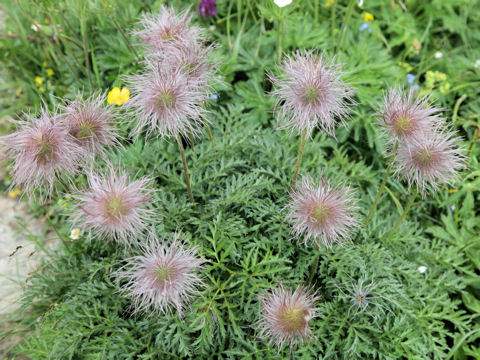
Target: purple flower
286,315
113,206
410,78
43,151
324,214
165,275
310,93
208,8
363,27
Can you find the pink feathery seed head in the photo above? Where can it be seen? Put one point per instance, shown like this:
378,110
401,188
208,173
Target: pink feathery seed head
430,161
310,93
42,151
165,275
168,29
166,102
91,123
196,63
114,206
286,315
324,214
405,117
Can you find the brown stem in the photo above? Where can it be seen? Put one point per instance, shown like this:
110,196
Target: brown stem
299,157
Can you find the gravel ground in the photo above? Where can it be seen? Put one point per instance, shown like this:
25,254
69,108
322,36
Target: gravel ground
18,256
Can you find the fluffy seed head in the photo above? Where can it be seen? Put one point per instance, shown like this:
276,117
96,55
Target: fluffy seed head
162,277
42,150
91,123
166,102
286,315
362,296
430,161
168,29
324,214
196,63
310,93
113,206
406,117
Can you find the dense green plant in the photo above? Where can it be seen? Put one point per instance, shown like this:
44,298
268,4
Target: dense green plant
241,187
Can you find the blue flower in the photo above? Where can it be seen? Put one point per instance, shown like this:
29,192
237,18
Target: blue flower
410,78
415,87
364,26
213,97
453,207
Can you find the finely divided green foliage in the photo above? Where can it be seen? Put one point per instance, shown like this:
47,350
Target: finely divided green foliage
241,188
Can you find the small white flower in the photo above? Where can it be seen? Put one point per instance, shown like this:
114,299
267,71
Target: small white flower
34,27
477,64
75,234
438,55
422,269
282,3
360,3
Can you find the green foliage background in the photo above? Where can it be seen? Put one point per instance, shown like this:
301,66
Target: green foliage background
70,308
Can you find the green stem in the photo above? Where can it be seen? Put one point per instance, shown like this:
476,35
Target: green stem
476,134
192,142
185,168
404,214
316,11
382,185
83,26
209,133
314,269
279,38
299,157
344,28
125,38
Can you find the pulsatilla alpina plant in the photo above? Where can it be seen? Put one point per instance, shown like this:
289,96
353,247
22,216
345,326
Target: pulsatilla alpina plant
238,282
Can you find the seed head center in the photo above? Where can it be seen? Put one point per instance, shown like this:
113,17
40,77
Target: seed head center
403,123
311,94
166,99
424,157
163,273
115,207
321,213
293,319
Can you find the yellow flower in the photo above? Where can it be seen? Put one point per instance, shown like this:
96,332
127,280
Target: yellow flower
444,87
38,80
41,89
431,77
368,17
452,191
117,96
75,234
14,193
329,3
44,64
49,72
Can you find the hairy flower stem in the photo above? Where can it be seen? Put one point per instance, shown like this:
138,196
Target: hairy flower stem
299,157
185,168
291,351
210,133
382,185
119,28
314,269
404,214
